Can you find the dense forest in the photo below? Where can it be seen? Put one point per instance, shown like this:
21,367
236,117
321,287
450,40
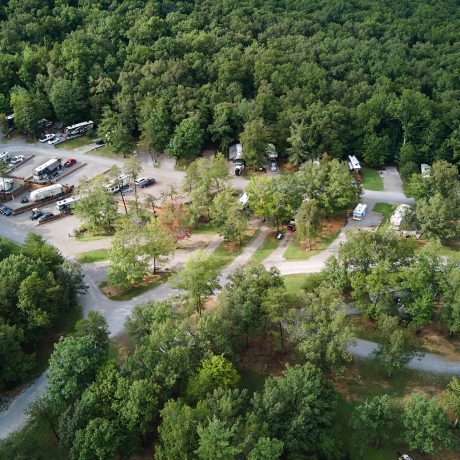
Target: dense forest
379,79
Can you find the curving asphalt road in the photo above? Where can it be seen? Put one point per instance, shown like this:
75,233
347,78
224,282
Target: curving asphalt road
115,313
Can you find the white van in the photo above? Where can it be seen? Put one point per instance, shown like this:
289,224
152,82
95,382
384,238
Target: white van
359,212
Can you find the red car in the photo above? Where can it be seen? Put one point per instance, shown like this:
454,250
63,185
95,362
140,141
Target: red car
291,227
70,162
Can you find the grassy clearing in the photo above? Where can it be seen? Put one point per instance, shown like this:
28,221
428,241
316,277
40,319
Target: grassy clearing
387,210
203,229
35,441
296,283
97,255
295,251
105,151
227,252
114,293
450,249
85,238
265,249
372,179
363,381
75,143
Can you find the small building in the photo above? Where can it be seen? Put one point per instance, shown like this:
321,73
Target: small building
354,164
359,212
425,170
235,152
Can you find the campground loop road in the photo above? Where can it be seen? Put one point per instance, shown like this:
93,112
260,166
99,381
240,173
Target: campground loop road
115,312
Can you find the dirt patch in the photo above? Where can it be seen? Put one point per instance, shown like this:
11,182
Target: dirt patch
435,339
113,291
263,355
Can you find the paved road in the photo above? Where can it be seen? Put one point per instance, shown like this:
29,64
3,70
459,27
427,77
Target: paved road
116,312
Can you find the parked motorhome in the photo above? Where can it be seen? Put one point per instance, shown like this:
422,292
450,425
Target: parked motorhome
67,203
359,212
79,128
115,185
43,172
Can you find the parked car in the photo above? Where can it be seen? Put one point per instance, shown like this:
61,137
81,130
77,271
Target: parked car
24,199
45,216
70,162
17,159
53,141
36,214
47,138
279,236
145,182
291,226
273,166
55,174
5,210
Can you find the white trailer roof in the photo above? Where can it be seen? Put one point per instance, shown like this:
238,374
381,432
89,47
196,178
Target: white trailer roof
235,151
353,161
360,209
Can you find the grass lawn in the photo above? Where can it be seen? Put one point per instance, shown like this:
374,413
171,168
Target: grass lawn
203,229
265,249
306,282
84,238
113,294
90,257
387,210
450,249
372,179
35,441
227,252
296,252
105,151
75,143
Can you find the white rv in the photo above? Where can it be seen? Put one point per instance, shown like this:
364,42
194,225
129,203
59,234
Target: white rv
67,203
46,192
79,128
118,183
359,212
5,157
44,171
354,164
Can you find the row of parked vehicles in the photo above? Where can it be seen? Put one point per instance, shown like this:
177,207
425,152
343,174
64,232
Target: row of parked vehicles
6,158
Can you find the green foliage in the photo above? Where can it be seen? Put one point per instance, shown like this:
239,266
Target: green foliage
187,140
324,332
371,421
299,408
215,372
450,291
393,350
14,363
426,427
308,221
254,140
199,279
96,206
95,327
72,367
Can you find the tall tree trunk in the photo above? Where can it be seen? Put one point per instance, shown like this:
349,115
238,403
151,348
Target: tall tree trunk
281,337
123,199
136,199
